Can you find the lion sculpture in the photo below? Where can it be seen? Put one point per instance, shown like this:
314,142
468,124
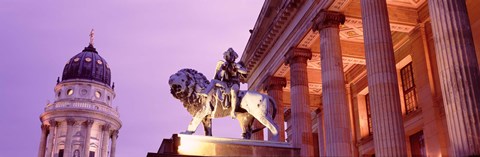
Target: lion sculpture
186,85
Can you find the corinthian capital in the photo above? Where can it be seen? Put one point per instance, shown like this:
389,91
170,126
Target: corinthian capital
88,123
53,123
114,134
274,83
106,127
70,121
296,55
326,19
44,127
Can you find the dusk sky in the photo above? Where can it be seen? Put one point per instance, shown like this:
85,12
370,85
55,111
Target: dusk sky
144,42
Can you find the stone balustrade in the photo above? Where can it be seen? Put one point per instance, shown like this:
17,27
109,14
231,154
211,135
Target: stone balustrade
81,105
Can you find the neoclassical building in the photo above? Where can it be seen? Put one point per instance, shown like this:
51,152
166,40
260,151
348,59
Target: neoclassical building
371,77
82,121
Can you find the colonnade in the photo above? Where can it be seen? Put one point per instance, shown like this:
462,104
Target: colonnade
459,75
49,138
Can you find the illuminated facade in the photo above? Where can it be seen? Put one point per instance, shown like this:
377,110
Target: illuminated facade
376,77
82,121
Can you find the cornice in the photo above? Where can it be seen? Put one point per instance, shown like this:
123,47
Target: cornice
54,116
268,40
292,35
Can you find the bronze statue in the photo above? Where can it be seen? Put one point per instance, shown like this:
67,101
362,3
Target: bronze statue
189,86
227,80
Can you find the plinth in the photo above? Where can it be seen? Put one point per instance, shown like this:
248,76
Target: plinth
193,145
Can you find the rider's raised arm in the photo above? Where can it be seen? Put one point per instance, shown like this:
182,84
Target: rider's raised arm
240,68
218,70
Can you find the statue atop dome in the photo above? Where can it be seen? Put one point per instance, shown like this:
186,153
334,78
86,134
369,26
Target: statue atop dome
92,36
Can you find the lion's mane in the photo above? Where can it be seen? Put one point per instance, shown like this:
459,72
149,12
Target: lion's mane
196,82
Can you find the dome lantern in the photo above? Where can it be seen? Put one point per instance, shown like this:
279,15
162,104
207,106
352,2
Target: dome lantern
88,65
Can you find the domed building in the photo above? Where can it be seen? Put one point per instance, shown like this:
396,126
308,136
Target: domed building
82,121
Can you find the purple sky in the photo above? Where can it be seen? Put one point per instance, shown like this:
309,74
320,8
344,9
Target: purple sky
143,42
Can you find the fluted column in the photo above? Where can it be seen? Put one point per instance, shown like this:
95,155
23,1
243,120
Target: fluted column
434,130
88,128
389,134
105,137
274,87
51,138
68,139
459,74
300,105
353,137
113,148
321,133
43,140
335,105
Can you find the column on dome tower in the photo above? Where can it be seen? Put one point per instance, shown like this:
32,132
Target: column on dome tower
43,140
51,138
105,137
68,140
88,129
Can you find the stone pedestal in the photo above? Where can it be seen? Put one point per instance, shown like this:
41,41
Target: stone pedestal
274,87
459,74
335,105
300,105
389,134
194,145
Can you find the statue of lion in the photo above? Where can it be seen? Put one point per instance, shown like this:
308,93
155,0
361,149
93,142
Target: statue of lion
186,85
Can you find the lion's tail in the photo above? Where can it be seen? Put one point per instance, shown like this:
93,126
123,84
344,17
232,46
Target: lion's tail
272,103
258,129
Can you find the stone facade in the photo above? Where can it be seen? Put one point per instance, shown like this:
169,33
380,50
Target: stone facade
385,78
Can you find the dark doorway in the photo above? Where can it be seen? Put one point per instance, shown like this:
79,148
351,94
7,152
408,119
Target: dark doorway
417,144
